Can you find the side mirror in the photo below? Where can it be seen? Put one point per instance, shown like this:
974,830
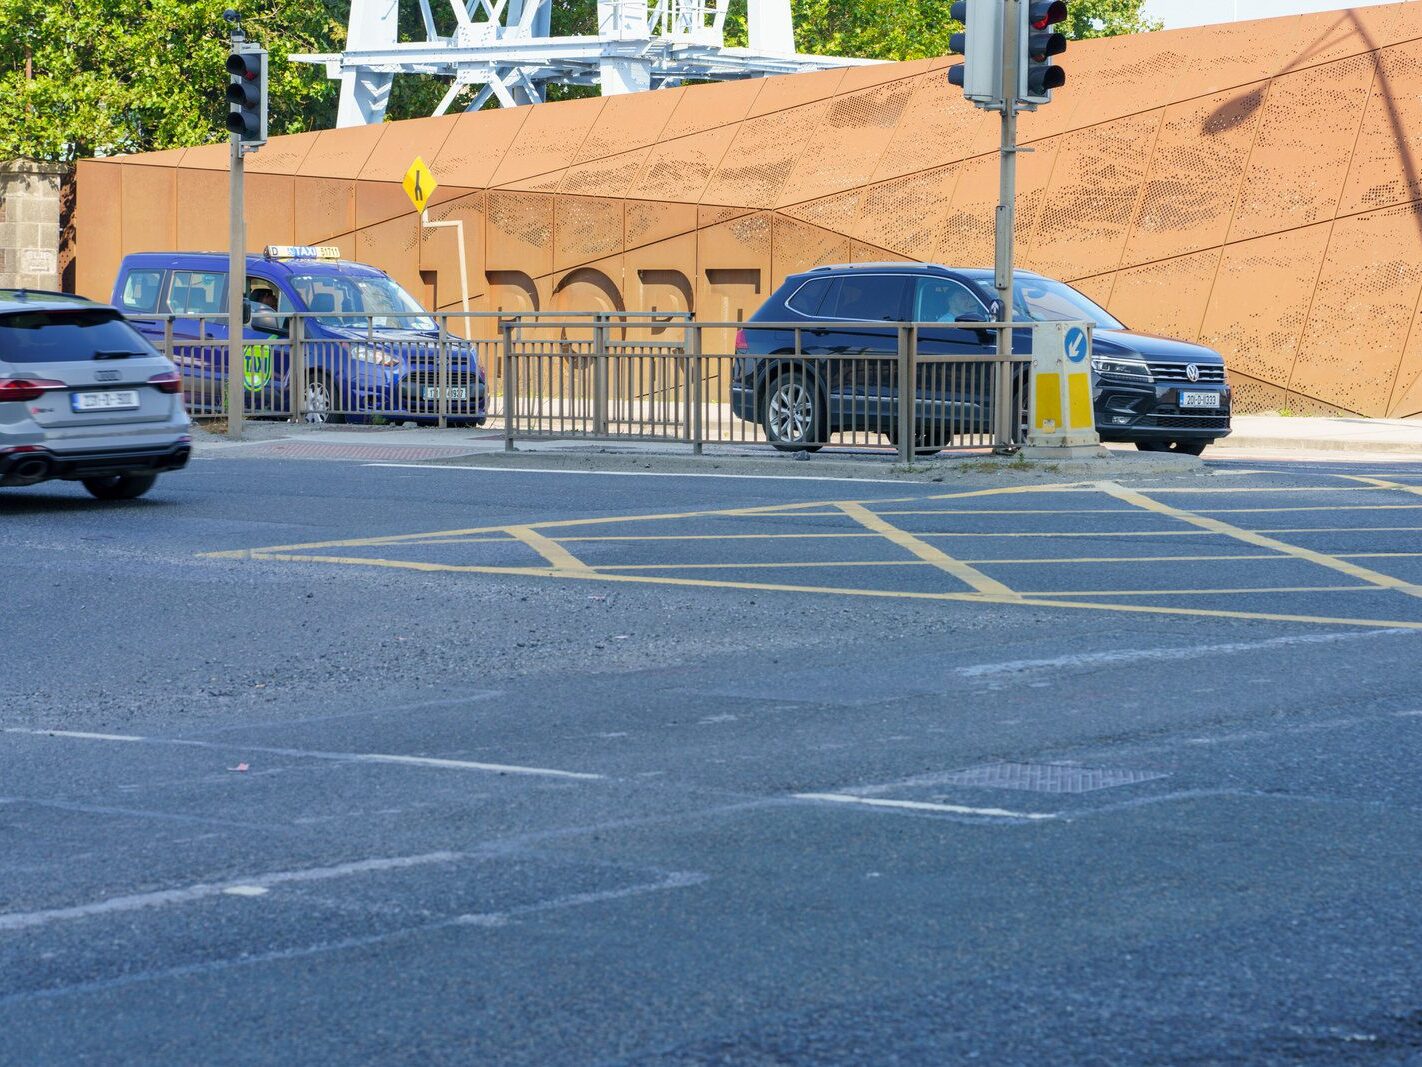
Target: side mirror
246,313
967,318
995,309
265,321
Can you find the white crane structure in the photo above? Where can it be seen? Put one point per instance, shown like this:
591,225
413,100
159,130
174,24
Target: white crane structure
504,47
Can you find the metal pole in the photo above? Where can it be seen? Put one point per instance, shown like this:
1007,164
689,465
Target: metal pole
599,376
443,362
694,373
1006,201
510,388
236,284
906,397
296,367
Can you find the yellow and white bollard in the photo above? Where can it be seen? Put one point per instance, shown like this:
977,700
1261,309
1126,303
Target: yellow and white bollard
1063,422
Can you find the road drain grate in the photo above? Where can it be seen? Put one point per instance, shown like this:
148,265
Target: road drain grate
1047,777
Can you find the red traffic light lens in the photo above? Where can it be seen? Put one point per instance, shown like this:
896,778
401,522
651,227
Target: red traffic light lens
1044,13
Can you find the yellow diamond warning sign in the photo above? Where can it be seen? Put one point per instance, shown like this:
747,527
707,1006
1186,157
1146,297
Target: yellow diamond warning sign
419,183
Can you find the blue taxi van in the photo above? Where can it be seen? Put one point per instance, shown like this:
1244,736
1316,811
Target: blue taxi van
367,348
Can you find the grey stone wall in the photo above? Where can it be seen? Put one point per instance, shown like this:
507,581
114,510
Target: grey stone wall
30,226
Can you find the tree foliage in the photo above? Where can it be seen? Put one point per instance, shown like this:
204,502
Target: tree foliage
112,76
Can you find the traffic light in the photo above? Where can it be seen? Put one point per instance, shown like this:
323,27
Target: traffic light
1039,44
247,94
980,45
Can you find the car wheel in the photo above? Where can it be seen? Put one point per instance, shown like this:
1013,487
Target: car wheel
926,442
120,486
1153,446
791,415
318,405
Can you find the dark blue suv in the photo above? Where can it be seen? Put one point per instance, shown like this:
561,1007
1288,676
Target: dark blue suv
1161,394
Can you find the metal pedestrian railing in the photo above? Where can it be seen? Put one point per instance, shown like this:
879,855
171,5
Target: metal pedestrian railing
622,375
795,386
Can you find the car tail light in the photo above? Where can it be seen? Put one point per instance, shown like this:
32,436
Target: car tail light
26,388
742,345
167,382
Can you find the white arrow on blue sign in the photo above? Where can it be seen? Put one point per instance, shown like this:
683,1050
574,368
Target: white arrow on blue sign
1075,344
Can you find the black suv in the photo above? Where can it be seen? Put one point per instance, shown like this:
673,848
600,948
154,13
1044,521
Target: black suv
1164,395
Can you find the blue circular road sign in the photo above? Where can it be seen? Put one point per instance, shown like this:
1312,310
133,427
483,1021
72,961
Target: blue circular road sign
1075,344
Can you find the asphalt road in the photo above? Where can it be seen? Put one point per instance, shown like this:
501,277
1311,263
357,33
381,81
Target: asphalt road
323,762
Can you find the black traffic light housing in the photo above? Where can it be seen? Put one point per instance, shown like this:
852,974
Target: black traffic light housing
1039,44
247,94
980,45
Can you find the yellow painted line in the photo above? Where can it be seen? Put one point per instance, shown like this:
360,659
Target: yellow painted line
1383,483
1256,538
552,551
977,598
974,579
1211,592
1310,507
1342,529
1158,489
811,564
809,536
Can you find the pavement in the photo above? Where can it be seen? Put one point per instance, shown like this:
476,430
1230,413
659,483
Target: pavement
347,759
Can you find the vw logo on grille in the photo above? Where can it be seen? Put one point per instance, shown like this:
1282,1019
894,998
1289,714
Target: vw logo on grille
1192,372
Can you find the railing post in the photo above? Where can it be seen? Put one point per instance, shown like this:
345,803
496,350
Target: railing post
693,370
296,368
510,384
443,361
168,337
599,375
907,390
1002,433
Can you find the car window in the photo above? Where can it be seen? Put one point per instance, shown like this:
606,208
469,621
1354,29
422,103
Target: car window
944,300
873,296
140,291
808,299
197,292
68,336
265,299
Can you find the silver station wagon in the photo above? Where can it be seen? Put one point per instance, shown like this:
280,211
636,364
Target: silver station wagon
83,397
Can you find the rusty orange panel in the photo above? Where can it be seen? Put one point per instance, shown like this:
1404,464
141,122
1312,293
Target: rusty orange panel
966,236
859,252
590,287
611,176
98,216
477,145
632,120
439,249
662,276
707,106
513,290
401,142
1252,395
1260,300
907,214
760,158
1406,399
380,201
936,128
1362,310
171,157
847,147
282,155
1097,288
679,169
204,157
324,206
839,212
1298,164
148,205
872,74
1195,174
340,153
270,206
548,140
1166,298
780,94
520,233
648,222
395,248
1089,205
733,270
798,246
201,199
1385,169
585,228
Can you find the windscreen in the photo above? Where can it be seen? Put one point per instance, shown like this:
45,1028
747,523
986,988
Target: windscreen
356,303
69,336
1043,300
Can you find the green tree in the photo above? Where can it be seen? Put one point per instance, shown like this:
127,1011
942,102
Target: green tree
109,76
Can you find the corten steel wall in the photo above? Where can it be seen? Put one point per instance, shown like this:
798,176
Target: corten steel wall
1254,186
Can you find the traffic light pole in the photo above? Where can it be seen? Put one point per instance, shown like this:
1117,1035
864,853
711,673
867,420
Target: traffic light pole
236,286
1007,188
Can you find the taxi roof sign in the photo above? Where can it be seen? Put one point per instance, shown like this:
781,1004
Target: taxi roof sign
302,252
419,183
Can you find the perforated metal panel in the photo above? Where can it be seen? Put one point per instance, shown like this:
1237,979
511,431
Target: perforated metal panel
680,169
1166,298
520,232
1385,169
585,229
800,246
907,214
548,140
612,176
762,155
647,222
856,130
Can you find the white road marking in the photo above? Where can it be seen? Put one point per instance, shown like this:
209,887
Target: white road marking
648,474
22,920
344,757
246,890
674,880
921,805
1131,655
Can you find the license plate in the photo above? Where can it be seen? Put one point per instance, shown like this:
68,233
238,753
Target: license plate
1199,400
454,392
118,400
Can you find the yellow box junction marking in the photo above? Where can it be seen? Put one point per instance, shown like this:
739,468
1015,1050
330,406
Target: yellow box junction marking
974,579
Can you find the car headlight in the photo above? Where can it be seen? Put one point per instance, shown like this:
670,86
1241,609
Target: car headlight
374,354
1134,370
